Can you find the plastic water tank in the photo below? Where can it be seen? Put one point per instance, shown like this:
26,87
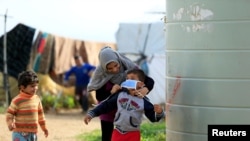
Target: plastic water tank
208,68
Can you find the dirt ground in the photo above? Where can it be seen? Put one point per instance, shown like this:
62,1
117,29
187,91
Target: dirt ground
63,126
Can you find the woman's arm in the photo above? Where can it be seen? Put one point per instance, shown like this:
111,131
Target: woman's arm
149,84
104,91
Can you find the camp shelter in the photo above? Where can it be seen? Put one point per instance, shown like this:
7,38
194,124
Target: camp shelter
145,44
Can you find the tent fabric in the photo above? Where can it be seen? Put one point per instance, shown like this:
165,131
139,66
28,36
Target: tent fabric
55,54
93,48
19,43
42,53
145,44
65,49
157,72
47,55
136,38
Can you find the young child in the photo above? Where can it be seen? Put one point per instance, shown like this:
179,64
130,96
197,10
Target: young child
25,112
82,71
130,108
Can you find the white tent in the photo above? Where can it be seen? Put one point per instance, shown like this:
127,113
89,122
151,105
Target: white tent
140,37
146,39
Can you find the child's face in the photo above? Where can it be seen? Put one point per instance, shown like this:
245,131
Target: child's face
30,89
78,61
139,84
132,76
113,67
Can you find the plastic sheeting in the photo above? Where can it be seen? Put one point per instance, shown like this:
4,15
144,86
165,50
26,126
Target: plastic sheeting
148,39
136,38
157,71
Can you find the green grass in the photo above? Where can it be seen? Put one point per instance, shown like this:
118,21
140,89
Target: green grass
2,109
92,136
148,132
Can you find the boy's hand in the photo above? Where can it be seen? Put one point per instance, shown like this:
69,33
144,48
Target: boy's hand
115,88
87,119
158,109
46,133
12,126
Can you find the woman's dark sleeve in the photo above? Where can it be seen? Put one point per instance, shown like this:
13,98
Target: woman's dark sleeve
105,106
104,91
149,83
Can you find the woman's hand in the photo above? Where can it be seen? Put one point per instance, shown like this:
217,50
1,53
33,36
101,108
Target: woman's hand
115,88
142,92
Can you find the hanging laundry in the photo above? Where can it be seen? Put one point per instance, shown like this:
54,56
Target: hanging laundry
19,43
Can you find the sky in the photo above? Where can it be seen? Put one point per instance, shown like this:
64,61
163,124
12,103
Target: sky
95,20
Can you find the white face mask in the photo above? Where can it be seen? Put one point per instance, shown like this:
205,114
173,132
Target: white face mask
129,84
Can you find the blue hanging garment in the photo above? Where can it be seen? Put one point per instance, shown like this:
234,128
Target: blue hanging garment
143,64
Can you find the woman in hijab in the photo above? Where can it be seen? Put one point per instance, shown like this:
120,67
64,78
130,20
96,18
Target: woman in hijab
112,71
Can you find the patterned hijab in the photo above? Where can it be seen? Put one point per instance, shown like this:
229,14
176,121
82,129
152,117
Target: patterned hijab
101,75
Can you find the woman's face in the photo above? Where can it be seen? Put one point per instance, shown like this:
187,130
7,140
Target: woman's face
113,67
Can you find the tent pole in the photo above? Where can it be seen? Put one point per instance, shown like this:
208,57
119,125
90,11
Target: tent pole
5,69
